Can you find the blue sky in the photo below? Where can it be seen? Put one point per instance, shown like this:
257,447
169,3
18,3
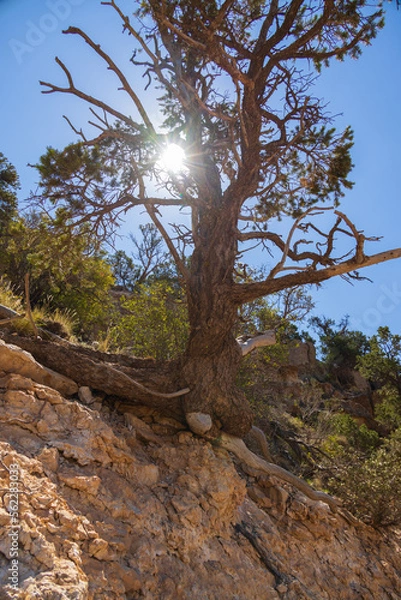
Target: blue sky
365,93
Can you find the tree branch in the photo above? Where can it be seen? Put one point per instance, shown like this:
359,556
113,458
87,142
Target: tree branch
71,89
173,250
268,338
114,68
247,292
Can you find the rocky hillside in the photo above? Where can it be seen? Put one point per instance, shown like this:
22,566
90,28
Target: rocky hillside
103,505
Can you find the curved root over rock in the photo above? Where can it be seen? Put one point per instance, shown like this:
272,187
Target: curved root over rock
238,447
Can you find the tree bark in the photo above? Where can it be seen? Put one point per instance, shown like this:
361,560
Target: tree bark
213,356
210,371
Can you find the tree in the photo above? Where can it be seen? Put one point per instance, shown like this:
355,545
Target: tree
66,271
152,261
340,346
382,363
9,183
124,270
236,95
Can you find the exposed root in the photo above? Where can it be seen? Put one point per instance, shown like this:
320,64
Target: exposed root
142,387
86,367
238,447
260,437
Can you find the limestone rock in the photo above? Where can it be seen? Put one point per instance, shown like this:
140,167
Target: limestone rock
15,360
85,395
89,485
199,423
163,518
360,382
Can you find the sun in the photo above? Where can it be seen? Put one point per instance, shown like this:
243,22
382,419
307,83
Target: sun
173,158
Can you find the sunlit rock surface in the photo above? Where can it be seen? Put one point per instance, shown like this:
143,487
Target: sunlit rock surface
137,508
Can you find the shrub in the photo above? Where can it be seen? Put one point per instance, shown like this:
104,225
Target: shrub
58,321
356,436
154,322
371,488
339,345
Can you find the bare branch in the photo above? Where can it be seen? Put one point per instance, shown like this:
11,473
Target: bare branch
323,255
79,132
250,291
71,89
115,69
286,249
170,245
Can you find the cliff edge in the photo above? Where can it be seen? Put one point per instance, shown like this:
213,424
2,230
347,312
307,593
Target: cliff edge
96,504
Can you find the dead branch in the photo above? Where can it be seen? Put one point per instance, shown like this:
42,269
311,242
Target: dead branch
268,338
178,261
71,89
246,292
114,68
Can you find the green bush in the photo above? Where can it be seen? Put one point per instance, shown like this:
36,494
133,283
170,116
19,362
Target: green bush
154,322
388,410
371,488
356,436
382,363
339,345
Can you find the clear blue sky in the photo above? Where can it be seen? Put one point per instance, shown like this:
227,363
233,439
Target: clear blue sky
366,92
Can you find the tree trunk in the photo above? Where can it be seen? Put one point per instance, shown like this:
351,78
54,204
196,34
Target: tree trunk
210,371
213,356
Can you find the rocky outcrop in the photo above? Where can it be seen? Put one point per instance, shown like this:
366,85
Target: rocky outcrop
302,354
15,360
97,505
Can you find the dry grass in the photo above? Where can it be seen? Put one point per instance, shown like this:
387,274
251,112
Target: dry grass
42,316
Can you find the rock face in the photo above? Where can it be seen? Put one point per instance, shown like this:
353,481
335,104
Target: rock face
101,506
302,354
15,360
